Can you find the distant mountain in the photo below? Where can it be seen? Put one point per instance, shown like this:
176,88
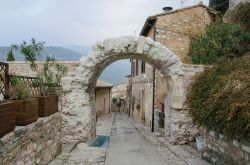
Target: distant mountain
84,50
115,73
60,53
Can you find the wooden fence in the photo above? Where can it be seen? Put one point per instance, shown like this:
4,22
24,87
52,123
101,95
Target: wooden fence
7,80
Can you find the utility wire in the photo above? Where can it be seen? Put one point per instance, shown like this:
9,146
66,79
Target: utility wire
220,4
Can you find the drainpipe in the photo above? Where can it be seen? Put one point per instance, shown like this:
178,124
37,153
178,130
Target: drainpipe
153,100
130,90
109,100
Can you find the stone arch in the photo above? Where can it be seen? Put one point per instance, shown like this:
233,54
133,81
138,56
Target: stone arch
78,107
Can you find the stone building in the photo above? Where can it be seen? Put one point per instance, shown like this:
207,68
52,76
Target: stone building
103,98
119,92
174,29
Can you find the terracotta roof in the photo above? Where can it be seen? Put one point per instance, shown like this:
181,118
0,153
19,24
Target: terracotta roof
103,84
151,19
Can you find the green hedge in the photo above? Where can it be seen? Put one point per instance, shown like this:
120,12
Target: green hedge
219,98
220,40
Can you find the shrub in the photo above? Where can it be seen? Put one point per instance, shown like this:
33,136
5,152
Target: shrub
240,15
19,90
220,40
219,98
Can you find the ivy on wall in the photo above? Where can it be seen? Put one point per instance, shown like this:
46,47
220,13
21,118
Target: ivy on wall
219,98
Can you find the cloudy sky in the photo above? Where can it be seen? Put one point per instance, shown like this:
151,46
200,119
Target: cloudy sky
76,22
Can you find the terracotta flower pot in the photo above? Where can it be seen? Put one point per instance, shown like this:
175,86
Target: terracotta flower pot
7,118
47,105
26,111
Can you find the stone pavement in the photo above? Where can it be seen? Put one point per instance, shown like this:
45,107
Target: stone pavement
175,154
82,154
128,147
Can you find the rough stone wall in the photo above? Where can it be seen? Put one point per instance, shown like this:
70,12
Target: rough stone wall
37,143
176,29
233,3
22,68
179,126
239,152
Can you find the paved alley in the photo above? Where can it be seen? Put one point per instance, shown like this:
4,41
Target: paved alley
128,147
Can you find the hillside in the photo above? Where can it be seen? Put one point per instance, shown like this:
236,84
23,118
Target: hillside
60,53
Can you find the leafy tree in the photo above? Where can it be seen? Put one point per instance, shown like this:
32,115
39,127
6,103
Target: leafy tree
10,55
31,51
219,5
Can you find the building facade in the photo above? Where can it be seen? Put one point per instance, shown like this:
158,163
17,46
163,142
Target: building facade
103,98
174,29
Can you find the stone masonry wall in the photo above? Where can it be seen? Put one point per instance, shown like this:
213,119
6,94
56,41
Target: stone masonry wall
23,68
239,152
37,143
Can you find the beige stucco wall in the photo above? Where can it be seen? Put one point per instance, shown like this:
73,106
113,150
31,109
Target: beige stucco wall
103,101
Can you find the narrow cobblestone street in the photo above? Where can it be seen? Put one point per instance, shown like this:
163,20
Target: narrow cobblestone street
127,146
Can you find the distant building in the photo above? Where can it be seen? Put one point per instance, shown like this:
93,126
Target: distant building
174,29
103,98
119,92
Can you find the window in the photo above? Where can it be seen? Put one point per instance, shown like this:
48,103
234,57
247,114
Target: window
137,68
143,67
133,69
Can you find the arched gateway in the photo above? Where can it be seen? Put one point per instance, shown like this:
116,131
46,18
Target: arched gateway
79,121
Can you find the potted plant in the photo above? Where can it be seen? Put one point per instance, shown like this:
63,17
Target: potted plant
53,73
26,107
48,104
49,77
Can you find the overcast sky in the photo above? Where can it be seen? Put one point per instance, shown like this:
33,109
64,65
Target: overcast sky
76,22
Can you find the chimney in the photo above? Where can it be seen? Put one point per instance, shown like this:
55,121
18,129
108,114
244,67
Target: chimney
167,9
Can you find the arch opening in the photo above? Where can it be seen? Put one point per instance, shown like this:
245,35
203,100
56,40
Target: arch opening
79,117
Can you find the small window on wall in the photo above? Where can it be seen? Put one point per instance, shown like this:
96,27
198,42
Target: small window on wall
143,67
133,69
137,68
